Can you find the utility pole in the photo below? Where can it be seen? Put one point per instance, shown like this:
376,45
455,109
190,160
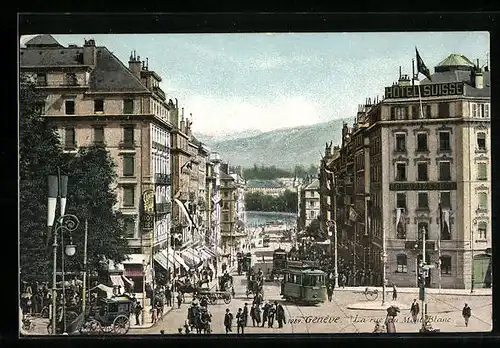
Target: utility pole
84,299
422,284
384,257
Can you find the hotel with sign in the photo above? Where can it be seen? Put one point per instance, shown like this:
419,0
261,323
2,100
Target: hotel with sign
429,156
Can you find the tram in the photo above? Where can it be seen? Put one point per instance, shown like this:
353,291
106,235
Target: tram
303,283
280,257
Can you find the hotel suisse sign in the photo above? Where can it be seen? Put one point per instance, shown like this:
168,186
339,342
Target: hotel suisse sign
430,90
423,186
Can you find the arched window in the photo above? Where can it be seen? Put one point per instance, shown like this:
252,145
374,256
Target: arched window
481,231
402,262
445,264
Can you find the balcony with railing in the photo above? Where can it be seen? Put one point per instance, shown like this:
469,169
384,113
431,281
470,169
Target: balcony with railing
163,179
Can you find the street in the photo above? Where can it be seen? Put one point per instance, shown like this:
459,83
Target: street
334,317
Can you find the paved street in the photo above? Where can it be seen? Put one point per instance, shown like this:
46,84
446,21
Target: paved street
334,316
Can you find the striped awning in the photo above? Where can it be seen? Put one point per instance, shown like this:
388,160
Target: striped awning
191,256
161,258
117,280
209,251
179,261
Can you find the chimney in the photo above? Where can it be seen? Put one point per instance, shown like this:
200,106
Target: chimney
182,123
134,65
89,53
478,77
225,167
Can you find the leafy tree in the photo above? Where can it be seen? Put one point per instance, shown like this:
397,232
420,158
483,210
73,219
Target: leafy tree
39,155
91,174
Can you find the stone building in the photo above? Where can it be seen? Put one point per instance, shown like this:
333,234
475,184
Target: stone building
309,203
429,161
93,98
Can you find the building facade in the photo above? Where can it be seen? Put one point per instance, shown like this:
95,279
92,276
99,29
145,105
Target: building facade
429,160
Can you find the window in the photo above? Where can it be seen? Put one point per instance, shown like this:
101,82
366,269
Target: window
401,200
128,196
422,142
70,79
129,227
422,174
399,113
98,105
482,171
312,214
311,204
480,110
400,143
128,135
402,262
423,226
69,107
481,231
226,194
444,171
444,141
98,135
226,217
41,79
128,106
423,200
128,165
481,141
445,199
444,110
483,200
445,264
400,172
69,138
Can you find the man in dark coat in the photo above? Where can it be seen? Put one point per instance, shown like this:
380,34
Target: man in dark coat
138,312
228,320
466,313
280,314
265,313
270,316
245,314
414,310
240,321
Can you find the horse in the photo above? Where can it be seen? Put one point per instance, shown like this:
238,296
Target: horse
199,318
189,288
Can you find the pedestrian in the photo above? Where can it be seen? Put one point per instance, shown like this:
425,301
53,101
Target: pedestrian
257,314
137,311
394,292
245,314
414,310
159,309
466,313
168,295
270,316
252,314
240,321
343,280
280,314
228,320
179,299
154,314
329,291
211,274
265,313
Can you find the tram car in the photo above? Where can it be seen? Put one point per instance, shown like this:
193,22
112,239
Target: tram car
247,262
280,257
303,283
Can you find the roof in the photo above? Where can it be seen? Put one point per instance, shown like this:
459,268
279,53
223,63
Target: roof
108,75
224,176
462,76
455,60
44,40
314,185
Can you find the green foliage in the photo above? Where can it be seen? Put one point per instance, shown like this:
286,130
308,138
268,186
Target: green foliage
272,172
257,201
89,195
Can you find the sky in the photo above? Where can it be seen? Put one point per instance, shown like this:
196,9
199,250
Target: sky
265,81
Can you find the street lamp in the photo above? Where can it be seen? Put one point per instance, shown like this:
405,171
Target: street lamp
58,189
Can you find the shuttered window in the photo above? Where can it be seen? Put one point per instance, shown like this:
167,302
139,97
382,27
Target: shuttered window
69,138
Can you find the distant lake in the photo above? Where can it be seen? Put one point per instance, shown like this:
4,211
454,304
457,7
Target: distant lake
255,218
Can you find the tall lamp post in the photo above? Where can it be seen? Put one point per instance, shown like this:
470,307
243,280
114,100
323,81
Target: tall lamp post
58,185
333,225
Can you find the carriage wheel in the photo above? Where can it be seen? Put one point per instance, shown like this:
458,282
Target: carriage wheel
121,325
213,299
371,295
107,329
227,298
90,327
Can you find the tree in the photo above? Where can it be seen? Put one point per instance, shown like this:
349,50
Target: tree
90,196
39,155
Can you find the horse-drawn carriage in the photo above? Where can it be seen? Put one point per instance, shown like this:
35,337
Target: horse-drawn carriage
226,283
199,319
214,296
111,317
254,286
189,288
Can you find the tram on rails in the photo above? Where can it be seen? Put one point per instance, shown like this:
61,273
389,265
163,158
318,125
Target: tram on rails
303,283
280,257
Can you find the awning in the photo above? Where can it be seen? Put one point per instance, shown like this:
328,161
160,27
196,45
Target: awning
107,289
125,279
161,258
206,254
209,251
185,212
136,259
190,256
179,261
117,280
169,254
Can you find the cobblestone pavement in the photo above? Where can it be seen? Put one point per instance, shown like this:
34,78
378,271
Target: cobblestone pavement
334,317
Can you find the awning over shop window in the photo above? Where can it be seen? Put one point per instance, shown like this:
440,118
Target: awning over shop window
161,258
132,270
204,254
117,280
126,280
190,256
209,251
169,254
179,261
136,259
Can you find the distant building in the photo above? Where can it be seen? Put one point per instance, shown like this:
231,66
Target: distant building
309,203
266,187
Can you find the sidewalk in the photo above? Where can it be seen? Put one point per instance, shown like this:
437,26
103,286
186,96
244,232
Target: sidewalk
166,309
388,289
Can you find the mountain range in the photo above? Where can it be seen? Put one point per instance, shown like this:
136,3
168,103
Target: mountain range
283,148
